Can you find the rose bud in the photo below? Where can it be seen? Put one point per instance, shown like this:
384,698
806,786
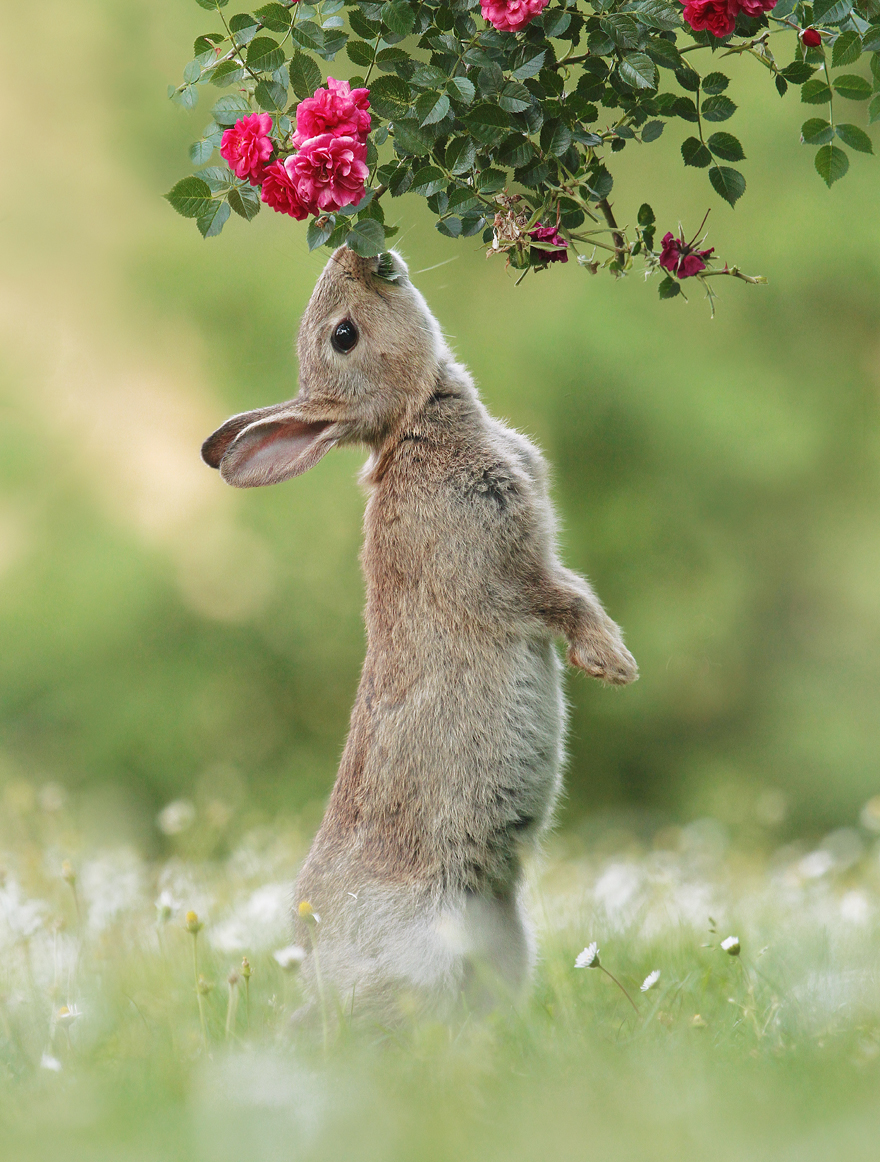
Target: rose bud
811,38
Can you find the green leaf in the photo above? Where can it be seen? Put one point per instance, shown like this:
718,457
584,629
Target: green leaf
669,288
688,79
192,72
190,197
226,73
715,83
816,131
243,27
726,146
214,219
230,108
815,92
431,108
460,155
200,151
245,201
514,97
663,53
657,14
831,11
264,55
646,216
274,17
651,130
855,138
490,181
852,87
399,17
305,76
871,39
360,53
462,89
400,181
317,235
729,183
638,71
797,72
334,40
847,49
271,96
366,238
212,5
831,164
529,65
555,138
874,110
622,29
718,108
695,153
187,96
410,139
428,181
488,123
389,96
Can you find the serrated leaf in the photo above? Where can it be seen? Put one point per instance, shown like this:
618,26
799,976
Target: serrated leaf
450,226
190,197
855,138
668,288
871,38
718,108
490,181
432,107
212,5
229,108
428,180
399,17
461,89
390,98
555,138
487,123
192,72
874,110
695,153
305,76
816,131
360,53
831,11
317,235
460,155
530,65
274,17
728,183
847,49
243,27
270,96
715,83
815,92
410,139
245,201
200,152
400,181
514,97
622,29
651,130
831,164
853,87
366,238
663,53
638,71
264,55
726,146
334,40
797,72
226,73
657,14
213,220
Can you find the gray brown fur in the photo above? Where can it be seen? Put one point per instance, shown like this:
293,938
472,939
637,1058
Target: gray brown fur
453,758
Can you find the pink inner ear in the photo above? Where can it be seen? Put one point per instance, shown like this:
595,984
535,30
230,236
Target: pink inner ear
270,451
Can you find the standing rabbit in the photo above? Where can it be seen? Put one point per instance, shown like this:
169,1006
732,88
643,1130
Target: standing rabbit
453,758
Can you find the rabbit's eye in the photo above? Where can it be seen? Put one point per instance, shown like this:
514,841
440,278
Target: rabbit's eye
344,337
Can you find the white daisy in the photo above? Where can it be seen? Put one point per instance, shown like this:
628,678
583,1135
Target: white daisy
290,957
650,980
731,945
589,958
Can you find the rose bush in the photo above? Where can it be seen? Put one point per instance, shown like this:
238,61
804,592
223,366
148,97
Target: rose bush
506,115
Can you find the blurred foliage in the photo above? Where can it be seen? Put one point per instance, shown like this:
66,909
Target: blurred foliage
718,481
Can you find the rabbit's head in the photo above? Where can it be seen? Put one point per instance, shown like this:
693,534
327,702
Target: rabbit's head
368,356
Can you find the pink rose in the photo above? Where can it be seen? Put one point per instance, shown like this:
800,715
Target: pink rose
682,259
511,15
337,110
279,190
247,146
549,234
755,7
329,172
715,16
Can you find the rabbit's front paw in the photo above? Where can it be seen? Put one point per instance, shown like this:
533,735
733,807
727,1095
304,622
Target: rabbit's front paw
606,659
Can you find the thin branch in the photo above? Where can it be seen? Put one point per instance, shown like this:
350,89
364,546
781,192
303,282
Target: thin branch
619,240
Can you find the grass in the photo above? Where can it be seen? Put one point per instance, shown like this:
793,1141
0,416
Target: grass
129,1031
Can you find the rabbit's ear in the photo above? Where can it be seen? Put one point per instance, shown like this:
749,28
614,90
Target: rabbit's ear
217,444
275,449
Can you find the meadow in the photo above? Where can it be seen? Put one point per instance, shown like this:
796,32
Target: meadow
178,661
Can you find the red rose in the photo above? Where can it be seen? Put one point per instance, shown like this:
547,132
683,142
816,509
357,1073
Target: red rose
681,258
279,190
715,16
754,7
811,38
511,15
330,172
338,109
247,146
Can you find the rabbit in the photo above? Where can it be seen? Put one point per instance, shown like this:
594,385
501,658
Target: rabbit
410,899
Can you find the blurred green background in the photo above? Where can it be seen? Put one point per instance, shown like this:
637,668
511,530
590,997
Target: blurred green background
164,636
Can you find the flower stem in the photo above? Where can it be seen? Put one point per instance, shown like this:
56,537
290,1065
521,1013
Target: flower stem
199,996
620,986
